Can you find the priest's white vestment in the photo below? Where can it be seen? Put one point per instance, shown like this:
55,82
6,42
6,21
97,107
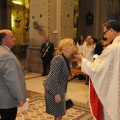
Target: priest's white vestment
105,75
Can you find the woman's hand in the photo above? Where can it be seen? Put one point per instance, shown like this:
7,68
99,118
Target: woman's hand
57,98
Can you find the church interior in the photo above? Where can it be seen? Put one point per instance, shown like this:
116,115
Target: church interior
32,20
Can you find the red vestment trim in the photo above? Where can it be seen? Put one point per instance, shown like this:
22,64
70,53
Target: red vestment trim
96,106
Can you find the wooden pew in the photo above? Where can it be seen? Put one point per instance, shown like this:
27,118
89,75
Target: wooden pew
75,70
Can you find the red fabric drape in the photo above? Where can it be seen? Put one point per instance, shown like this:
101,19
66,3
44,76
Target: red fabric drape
95,103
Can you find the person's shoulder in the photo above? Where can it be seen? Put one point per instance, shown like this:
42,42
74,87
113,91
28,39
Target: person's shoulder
5,55
51,43
4,50
58,57
43,43
114,46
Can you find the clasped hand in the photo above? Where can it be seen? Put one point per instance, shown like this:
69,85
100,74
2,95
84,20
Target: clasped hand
57,98
21,103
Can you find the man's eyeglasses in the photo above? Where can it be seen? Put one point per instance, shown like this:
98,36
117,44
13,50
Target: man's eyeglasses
104,33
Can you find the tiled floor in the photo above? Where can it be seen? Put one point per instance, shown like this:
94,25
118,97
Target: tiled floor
77,90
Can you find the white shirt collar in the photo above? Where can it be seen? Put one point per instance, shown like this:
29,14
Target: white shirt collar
6,47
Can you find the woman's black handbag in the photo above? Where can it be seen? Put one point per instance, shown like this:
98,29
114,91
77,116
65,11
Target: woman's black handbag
69,103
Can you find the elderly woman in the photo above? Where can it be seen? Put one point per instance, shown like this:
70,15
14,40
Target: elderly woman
56,82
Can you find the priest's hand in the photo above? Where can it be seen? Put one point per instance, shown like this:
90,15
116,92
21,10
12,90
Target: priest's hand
78,57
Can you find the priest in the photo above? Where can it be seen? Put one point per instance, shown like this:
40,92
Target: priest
105,75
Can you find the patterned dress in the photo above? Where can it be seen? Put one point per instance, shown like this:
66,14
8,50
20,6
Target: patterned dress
56,83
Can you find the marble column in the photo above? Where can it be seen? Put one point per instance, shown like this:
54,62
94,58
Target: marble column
52,18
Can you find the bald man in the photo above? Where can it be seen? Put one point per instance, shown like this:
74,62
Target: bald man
12,82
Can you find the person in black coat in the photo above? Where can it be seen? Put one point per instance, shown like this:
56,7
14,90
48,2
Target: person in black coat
46,50
99,48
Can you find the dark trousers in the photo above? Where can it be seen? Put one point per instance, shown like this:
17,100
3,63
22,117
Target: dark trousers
46,65
8,114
